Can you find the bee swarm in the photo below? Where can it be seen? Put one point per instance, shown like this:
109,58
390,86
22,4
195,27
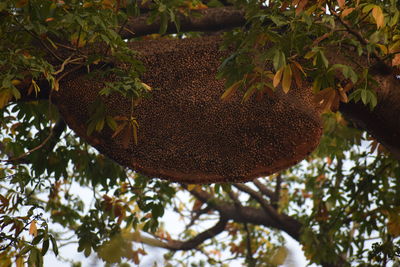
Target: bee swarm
186,132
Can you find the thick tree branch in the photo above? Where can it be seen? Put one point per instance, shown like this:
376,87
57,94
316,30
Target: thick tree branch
212,19
251,215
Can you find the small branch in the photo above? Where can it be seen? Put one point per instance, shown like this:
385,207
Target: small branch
275,202
263,189
355,33
249,257
55,133
260,199
192,243
247,214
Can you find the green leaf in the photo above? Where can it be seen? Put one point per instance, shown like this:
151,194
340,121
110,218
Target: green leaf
45,246
54,245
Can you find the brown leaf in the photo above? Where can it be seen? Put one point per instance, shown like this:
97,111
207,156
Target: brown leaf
347,12
396,60
301,6
341,3
33,228
297,76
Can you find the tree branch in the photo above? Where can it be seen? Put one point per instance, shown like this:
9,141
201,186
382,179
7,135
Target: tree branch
260,199
245,214
211,19
192,243
263,189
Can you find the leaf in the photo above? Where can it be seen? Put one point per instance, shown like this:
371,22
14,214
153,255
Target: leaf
231,90
146,86
396,60
347,12
377,13
190,187
249,92
119,129
287,79
297,76
277,77
45,246
54,245
301,5
5,97
279,256
19,262
341,3
343,95
33,228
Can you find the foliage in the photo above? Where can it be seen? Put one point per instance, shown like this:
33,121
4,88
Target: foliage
344,194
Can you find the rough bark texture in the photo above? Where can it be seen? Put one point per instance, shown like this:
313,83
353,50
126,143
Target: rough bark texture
213,19
383,122
187,133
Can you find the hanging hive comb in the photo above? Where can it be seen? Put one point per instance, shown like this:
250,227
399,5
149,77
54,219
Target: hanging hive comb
187,133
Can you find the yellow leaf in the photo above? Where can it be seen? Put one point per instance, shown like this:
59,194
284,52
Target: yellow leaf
36,87
377,13
146,86
231,90
343,95
287,79
56,85
5,97
310,54
190,187
19,262
33,228
249,93
383,48
135,134
15,82
395,47
277,77
279,256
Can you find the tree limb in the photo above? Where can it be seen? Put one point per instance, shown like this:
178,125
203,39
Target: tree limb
192,243
245,214
263,189
211,19
259,198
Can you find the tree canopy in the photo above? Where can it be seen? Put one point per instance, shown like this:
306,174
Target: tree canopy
68,67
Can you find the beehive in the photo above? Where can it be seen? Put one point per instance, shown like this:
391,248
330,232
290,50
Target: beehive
187,134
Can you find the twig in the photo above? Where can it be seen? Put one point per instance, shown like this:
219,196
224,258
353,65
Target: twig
277,196
51,134
249,256
259,198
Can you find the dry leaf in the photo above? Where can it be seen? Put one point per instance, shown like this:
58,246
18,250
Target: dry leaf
377,13
33,228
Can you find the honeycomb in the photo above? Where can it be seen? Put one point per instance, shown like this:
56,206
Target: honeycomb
187,133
